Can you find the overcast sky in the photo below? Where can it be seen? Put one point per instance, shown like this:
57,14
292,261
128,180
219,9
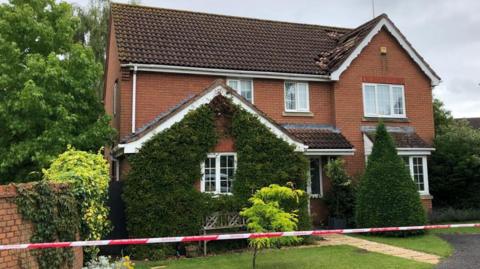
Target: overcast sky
445,32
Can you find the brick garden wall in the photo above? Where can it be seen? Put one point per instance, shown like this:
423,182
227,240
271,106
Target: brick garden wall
14,230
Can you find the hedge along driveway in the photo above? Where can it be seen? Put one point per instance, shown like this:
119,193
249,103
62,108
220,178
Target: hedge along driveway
338,257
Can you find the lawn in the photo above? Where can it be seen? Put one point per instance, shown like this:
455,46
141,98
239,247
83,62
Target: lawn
338,257
429,243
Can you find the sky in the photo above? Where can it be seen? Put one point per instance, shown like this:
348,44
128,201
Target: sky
445,32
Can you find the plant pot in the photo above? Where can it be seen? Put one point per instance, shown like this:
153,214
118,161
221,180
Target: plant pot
337,223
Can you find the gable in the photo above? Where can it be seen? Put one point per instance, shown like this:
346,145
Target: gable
385,24
134,143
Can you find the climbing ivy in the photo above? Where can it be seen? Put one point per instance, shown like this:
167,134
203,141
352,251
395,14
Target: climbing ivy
160,194
55,217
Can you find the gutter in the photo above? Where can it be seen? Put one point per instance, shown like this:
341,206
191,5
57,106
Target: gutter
224,72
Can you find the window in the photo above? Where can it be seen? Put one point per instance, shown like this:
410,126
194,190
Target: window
296,97
315,188
417,165
115,98
115,170
218,173
383,100
243,86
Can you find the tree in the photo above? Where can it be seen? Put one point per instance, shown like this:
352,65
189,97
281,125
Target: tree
454,174
88,174
47,82
340,199
268,214
442,117
387,195
93,32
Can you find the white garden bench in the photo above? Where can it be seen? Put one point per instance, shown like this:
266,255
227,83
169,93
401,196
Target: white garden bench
222,221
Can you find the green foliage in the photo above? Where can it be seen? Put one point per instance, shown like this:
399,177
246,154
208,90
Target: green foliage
55,217
442,117
451,215
265,159
48,95
88,174
266,214
454,170
159,192
387,195
340,199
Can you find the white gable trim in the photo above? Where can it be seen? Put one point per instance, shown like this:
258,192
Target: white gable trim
399,37
134,146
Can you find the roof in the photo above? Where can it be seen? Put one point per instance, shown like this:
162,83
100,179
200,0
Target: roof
183,38
404,139
166,119
321,138
474,122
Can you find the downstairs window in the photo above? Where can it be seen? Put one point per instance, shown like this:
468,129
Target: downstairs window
218,172
417,165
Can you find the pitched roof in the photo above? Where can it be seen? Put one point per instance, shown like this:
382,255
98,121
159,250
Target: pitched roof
133,142
474,122
404,139
321,138
182,38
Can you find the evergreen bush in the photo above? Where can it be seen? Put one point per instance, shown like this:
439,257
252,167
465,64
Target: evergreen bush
387,195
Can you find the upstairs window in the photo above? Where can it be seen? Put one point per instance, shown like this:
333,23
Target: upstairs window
296,97
383,100
218,172
243,86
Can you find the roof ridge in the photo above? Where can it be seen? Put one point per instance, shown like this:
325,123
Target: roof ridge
346,29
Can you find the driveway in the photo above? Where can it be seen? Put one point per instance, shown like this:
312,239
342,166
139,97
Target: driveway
466,254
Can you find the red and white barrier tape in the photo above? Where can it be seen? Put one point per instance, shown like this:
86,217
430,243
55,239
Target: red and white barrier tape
196,238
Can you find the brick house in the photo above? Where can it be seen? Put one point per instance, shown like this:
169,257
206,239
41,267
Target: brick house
322,89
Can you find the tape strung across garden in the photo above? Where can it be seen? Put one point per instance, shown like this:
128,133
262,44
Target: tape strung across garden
215,237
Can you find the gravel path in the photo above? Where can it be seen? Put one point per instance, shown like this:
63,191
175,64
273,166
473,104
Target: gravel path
466,254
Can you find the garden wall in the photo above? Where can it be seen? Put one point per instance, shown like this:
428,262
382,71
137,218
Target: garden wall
14,230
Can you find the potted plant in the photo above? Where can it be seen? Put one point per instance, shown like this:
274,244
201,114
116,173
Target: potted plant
340,199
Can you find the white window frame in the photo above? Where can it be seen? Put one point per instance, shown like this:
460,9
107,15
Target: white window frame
376,115
296,99
425,172
309,182
239,91
217,171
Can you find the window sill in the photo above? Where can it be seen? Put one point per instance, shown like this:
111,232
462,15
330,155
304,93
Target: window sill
385,119
315,196
297,114
424,196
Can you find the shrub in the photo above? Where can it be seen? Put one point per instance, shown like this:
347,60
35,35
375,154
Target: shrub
266,214
454,174
447,215
340,199
88,175
387,195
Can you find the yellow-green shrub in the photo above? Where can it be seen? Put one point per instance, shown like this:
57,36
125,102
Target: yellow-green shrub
88,175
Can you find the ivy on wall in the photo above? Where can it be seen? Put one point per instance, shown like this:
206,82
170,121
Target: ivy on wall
160,194
55,217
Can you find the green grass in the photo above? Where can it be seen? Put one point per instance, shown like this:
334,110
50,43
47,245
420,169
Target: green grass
429,243
338,257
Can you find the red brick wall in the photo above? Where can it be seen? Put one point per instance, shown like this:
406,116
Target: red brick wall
395,64
15,230
112,74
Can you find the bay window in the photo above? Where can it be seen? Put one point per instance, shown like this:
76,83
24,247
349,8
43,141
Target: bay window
384,100
244,87
417,165
218,172
296,97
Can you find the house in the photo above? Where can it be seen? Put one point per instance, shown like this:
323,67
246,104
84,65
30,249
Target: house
322,89
474,122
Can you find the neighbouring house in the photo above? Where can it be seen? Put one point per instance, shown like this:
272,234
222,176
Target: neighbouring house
474,122
322,89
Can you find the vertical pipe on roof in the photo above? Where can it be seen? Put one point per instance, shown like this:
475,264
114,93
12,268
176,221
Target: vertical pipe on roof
134,97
